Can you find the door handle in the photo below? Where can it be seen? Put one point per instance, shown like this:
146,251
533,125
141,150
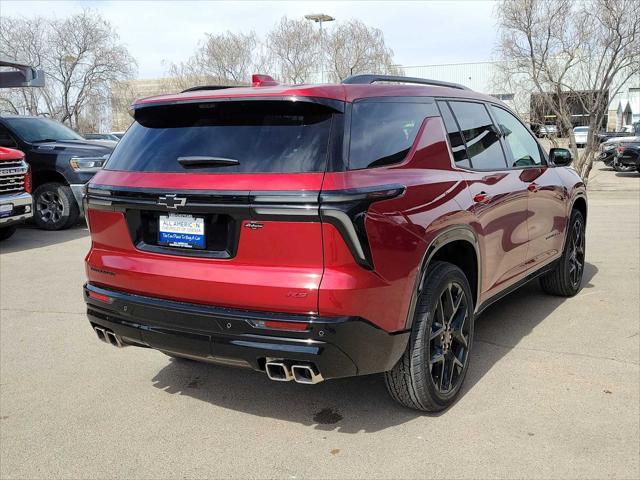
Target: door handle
481,197
533,187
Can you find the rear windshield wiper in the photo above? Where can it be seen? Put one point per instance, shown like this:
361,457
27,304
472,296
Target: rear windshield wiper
207,161
43,140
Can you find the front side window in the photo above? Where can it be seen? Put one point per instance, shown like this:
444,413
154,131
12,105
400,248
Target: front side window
524,148
227,137
480,136
382,133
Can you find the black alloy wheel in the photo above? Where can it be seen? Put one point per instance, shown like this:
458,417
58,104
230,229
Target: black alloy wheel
49,207
449,339
576,253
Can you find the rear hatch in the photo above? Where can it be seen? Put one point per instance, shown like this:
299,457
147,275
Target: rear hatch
216,203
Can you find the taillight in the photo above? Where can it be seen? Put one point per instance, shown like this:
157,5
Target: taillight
28,184
278,325
100,297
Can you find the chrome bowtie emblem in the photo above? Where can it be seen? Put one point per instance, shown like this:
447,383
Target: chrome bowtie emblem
172,202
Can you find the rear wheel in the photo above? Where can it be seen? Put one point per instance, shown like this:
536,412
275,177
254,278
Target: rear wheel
6,232
565,279
623,168
55,207
429,375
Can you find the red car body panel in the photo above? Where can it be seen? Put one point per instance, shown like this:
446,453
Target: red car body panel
517,219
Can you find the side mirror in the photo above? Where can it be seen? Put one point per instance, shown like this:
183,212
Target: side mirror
560,156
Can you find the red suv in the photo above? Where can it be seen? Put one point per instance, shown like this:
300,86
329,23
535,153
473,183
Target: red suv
322,231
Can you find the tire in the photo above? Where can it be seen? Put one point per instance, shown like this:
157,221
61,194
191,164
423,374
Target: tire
623,168
55,207
419,379
565,279
6,232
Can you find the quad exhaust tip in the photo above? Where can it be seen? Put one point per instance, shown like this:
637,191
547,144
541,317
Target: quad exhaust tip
284,371
306,374
108,336
278,371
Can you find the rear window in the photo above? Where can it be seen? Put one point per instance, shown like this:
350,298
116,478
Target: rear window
382,132
259,136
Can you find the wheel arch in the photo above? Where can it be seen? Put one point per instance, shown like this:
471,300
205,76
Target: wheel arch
580,203
41,177
458,245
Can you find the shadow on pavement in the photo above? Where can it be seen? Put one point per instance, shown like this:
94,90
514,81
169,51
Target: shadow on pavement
28,237
628,174
359,404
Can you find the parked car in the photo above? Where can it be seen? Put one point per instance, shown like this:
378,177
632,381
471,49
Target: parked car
628,156
102,136
15,191
581,134
118,135
626,131
61,161
608,152
547,130
317,232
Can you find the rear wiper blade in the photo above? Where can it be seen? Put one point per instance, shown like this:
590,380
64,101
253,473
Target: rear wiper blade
43,140
206,161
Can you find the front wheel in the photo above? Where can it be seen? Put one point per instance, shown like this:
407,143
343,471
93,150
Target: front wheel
55,207
430,373
565,279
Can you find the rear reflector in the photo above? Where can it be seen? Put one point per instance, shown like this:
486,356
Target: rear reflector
276,325
100,297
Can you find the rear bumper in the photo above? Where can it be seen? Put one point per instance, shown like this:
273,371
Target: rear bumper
337,346
21,208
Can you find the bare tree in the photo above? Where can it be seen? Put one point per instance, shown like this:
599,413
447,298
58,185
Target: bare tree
81,56
227,58
294,46
570,52
356,48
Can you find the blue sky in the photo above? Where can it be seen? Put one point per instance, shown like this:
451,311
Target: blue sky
156,32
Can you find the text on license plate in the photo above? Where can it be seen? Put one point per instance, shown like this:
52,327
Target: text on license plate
179,230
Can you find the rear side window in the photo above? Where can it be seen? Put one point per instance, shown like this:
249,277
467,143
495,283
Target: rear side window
252,137
455,137
480,136
382,132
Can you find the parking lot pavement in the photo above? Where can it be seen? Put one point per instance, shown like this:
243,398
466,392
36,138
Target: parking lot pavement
553,389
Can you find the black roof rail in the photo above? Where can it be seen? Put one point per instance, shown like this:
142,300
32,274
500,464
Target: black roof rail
372,78
209,87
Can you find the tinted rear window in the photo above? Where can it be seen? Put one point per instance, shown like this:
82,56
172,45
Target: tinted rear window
263,136
382,132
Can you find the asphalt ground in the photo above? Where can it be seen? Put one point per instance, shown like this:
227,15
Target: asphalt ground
553,388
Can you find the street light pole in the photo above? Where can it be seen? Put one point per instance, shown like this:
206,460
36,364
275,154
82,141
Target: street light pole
320,18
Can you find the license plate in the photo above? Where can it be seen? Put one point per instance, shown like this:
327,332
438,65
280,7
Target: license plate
5,210
179,230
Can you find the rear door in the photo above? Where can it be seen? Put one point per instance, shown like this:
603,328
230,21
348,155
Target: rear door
498,194
215,203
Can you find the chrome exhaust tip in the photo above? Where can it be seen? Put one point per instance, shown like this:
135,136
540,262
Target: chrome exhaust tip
113,339
100,332
278,371
306,374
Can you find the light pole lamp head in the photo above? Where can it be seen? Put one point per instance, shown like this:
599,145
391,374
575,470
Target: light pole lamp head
319,17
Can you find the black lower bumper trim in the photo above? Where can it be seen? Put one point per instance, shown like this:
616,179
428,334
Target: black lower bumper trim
338,346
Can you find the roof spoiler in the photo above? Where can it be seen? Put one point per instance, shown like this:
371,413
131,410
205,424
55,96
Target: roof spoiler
208,87
366,79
